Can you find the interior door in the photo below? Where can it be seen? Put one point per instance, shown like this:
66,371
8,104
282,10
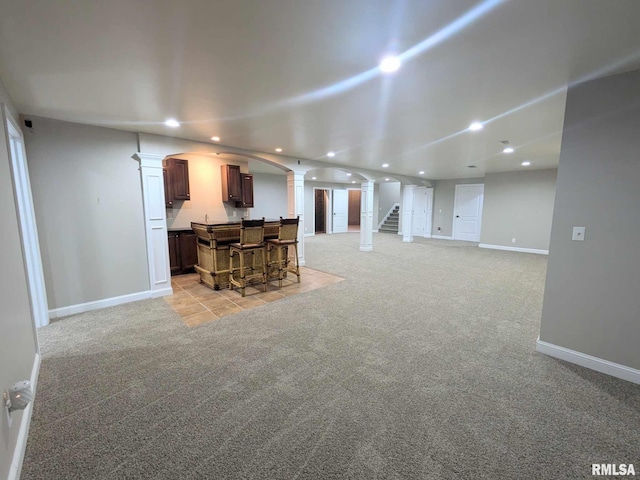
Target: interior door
419,220
467,212
340,211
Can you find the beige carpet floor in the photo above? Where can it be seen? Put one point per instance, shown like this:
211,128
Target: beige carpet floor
420,364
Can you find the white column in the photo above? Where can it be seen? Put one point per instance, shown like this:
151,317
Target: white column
366,216
155,221
295,206
408,195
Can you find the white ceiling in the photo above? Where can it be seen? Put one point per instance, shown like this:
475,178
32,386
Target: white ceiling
263,74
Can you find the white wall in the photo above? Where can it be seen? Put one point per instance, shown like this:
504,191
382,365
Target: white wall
88,202
269,196
518,205
592,301
17,339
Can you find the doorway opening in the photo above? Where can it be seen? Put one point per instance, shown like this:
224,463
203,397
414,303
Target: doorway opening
321,210
354,210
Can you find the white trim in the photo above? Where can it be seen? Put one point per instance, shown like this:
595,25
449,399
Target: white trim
27,221
442,237
514,249
108,302
23,433
309,234
375,231
593,363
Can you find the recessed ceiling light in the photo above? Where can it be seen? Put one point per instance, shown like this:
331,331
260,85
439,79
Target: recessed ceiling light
526,164
215,139
278,149
331,154
313,178
348,174
390,64
171,122
353,181
386,179
508,150
475,126
385,165
421,172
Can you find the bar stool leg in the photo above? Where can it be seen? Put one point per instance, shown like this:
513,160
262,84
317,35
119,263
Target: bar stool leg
295,248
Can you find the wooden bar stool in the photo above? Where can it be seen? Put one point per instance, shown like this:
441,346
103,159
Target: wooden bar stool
251,243
287,237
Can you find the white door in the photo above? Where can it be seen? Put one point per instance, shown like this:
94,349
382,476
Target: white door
419,212
340,211
27,219
422,212
467,212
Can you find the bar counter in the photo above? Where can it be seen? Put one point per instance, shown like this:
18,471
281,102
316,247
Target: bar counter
213,241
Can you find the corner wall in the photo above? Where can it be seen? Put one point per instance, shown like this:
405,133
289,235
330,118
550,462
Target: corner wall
518,205
17,339
88,202
591,301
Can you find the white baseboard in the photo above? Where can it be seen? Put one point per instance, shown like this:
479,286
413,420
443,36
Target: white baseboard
108,302
514,249
584,360
442,237
309,234
375,231
23,433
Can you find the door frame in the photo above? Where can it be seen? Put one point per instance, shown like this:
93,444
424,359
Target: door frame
328,225
360,209
27,223
455,207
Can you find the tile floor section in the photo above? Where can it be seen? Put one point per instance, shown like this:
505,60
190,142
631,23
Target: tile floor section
197,304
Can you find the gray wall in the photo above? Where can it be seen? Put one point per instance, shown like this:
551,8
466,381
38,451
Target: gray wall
444,192
269,195
17,340
518,205
88,202
592,301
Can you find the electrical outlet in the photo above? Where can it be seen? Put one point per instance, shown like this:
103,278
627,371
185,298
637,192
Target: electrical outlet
513,240
578,234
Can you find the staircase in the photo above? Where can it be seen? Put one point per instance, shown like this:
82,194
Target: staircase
390,224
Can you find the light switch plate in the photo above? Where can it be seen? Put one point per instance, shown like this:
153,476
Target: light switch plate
578,234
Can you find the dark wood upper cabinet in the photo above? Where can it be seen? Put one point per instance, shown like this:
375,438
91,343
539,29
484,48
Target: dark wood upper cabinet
179,175
237,188
168,194
247,190
231,183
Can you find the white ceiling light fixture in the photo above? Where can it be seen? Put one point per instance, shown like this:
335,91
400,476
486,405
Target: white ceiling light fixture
421,172
390,64
476,126
278,150
331,154
508,150
313,178
385,165
386,179
172,122
526,164
348,174
353,181
215,139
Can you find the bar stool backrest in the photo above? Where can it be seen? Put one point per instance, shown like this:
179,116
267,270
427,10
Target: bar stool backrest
251,232
288,230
